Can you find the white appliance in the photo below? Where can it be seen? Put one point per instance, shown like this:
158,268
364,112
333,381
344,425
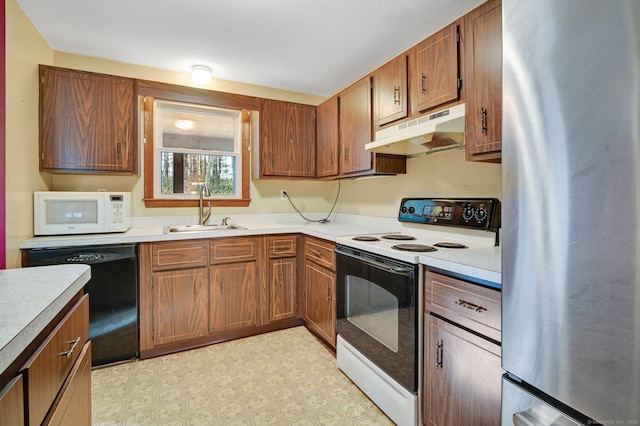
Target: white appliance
379,296
66,213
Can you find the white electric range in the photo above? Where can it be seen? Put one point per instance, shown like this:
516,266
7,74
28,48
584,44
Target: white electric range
379,295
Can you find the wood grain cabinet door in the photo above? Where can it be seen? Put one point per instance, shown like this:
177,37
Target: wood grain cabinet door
355,127
180,305
283,294
462,377
319,299
12,403
327,138
390,91
87,122
484,77
287,139
434,75
233,296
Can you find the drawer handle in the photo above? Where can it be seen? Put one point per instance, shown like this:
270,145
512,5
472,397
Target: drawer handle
74,345
316,252
439,346
471,306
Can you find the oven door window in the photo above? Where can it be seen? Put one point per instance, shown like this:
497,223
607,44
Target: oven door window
377,314
373,310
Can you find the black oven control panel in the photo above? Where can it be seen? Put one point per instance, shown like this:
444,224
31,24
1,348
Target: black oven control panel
474,213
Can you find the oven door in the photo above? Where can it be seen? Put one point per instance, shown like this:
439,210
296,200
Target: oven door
377,311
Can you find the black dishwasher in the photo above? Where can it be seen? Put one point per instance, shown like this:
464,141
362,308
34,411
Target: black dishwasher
113,296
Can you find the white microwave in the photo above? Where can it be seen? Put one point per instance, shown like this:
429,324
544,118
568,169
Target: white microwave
64,213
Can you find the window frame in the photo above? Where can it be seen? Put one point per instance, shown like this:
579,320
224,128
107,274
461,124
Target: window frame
250,107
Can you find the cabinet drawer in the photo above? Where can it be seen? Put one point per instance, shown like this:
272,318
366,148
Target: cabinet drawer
320,252
73,406
237,249
282,246
178,254
465,303
48,368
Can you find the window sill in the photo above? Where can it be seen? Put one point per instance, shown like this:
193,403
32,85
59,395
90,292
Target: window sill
157,202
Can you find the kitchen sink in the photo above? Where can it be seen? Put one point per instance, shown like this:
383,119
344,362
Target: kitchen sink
201,228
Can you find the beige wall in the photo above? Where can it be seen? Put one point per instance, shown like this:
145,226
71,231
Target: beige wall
442,174
25,49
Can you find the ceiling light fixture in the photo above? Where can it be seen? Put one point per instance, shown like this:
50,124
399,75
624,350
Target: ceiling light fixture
201,74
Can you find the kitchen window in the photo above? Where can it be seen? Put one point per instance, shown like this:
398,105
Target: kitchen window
189,145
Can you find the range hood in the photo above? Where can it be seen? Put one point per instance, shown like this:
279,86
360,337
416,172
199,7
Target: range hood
438,131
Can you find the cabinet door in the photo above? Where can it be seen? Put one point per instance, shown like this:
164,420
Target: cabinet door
180,305
73,406
283,294
484,65
233,296
434,77
287,139
319,297
327,138
355,127
462,376
12,403
87,122
390,91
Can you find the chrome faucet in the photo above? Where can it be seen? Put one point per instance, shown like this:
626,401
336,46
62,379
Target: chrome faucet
204,217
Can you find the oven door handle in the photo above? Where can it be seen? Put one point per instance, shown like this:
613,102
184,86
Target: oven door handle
394,269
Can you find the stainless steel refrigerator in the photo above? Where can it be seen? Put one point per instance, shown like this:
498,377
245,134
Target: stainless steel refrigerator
571,212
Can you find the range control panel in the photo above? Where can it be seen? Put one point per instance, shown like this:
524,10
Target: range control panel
474,213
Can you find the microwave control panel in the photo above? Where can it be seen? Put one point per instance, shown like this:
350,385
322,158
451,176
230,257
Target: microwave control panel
474,213
117,208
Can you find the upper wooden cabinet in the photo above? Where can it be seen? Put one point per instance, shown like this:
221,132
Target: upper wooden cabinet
484,82
355,127
390,91
355,130
287,139
434,70
87,123
327,138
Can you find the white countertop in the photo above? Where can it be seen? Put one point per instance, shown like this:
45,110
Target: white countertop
31,298
480,263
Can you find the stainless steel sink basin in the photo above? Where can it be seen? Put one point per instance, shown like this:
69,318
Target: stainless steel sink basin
202,228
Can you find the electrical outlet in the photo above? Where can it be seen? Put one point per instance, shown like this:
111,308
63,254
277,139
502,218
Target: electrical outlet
283,194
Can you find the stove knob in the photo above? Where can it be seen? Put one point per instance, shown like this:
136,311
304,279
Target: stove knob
412,210
403,209
481,214
468,212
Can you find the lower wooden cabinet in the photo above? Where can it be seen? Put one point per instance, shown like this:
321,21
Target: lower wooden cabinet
73,407
49,383
320,289
180,305
283,288
202,291
462,372
462,377
233,296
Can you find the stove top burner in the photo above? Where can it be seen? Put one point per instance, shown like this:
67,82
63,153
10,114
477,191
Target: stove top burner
413,247
450,245
365,238
398,237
